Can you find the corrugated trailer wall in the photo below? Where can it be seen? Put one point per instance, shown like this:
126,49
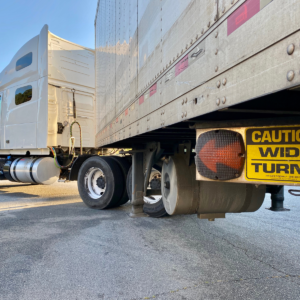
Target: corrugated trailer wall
106,62
183,51
116,58
135,40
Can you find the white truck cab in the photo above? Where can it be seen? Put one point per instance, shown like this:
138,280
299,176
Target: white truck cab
36,91
48,86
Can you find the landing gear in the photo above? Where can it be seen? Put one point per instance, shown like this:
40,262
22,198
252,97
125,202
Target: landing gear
277,197
149,201
137,188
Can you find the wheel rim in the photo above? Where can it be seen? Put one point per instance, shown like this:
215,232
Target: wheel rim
95,183
155,181
155,198
152,199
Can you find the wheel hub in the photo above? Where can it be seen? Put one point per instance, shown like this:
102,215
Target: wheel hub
95,183
155,184
101,182
166,189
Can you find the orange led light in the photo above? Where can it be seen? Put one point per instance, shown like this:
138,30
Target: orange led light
220,154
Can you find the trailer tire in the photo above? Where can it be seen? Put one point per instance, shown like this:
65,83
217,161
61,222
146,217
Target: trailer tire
100,182
129,184
124,166
155,209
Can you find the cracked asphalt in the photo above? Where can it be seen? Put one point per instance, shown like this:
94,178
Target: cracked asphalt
54,247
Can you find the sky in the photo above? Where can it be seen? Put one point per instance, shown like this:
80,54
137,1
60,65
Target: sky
21,20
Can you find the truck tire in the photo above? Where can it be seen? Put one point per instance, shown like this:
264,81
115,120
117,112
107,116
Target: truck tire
2,163
129,184
100,182
124,166
153,207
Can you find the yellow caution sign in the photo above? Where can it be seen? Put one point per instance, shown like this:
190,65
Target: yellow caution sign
273,154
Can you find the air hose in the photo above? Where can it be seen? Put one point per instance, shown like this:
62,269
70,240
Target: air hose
71,147
294,192
72,139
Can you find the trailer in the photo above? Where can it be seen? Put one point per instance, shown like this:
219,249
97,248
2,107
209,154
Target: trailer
184,107
207,93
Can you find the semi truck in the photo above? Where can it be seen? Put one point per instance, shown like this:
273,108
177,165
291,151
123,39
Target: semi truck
183,107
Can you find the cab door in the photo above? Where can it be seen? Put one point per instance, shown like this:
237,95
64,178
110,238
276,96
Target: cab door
21,116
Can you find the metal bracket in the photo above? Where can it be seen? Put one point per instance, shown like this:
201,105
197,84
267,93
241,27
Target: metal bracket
212,217
245,123
185,150
74,103
132,151
60,128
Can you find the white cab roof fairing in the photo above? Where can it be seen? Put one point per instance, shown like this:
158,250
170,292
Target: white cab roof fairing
70,64
39,67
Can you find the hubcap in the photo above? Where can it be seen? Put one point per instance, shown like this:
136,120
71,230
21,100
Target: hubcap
166,189
95,183
101,182
167,185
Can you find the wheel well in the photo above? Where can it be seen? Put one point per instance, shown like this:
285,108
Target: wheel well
77,164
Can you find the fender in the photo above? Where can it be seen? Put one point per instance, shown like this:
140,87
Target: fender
77,164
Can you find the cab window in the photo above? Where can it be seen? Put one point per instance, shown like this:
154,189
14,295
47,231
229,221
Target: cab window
24,61
23,94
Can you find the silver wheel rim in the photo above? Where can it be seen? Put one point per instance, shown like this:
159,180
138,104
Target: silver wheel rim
152,199
156,198
91,182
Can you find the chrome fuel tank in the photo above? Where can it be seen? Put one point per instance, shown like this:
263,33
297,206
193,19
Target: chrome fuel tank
34,170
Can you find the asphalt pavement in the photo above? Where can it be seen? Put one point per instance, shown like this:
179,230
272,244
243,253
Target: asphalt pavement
53,247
